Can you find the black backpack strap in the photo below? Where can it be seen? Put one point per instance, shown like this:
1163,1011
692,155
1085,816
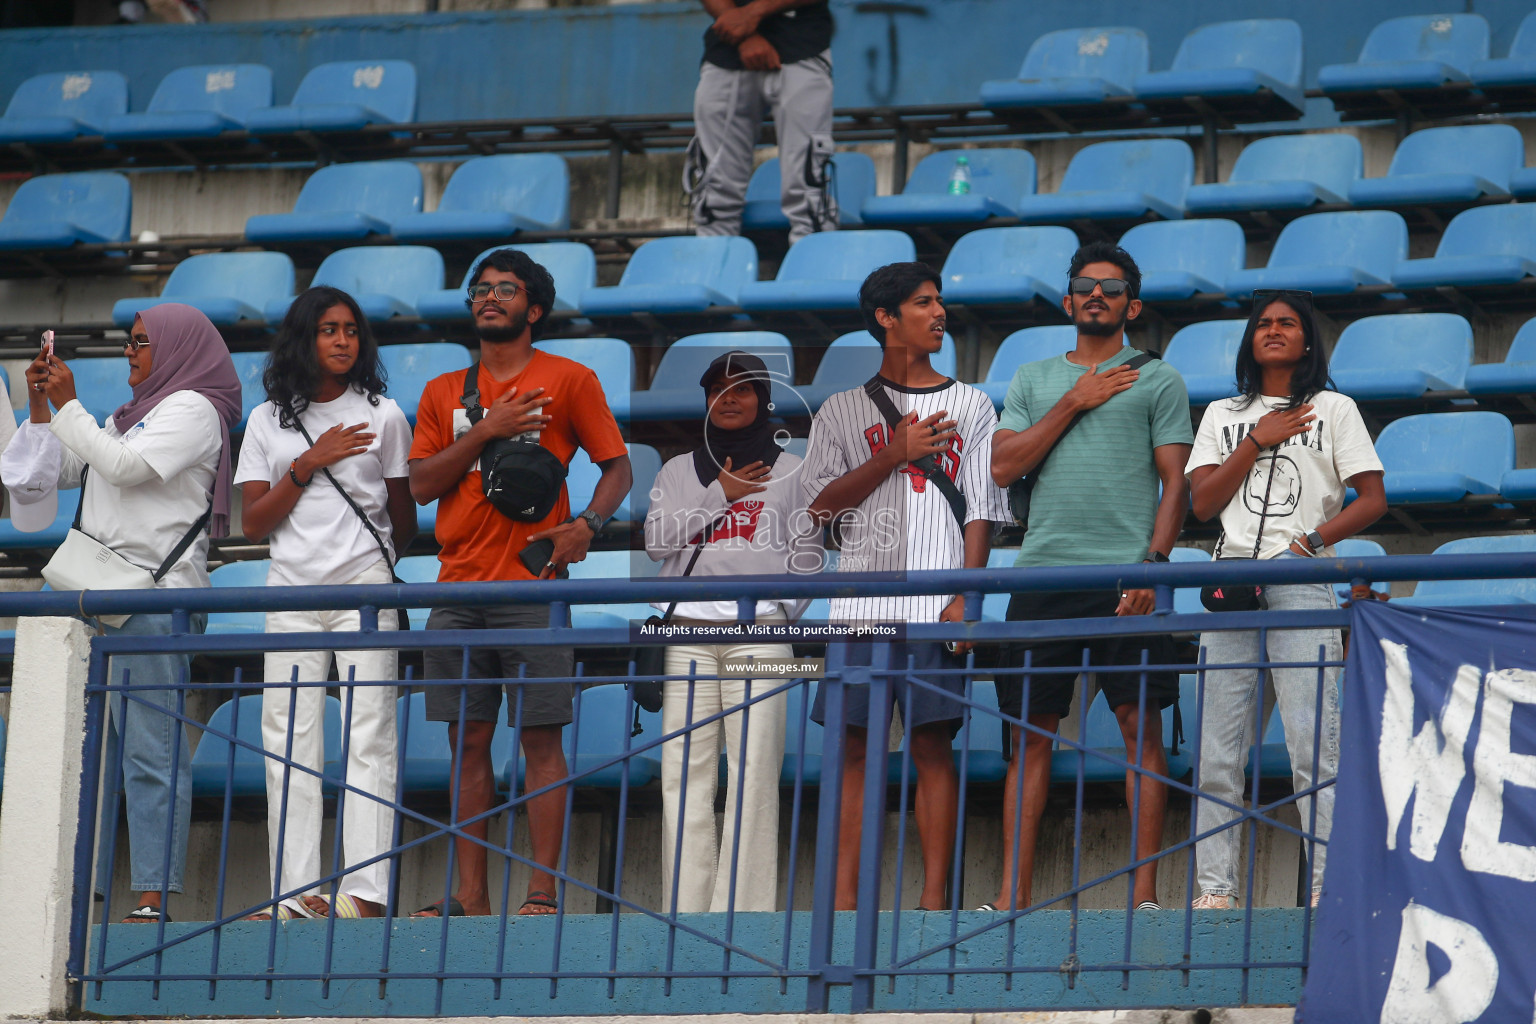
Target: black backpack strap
927,465
470,399
1136,362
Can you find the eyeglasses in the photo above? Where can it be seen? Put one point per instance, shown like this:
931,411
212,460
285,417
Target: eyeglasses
1264,296
135,343
1113,287
505,291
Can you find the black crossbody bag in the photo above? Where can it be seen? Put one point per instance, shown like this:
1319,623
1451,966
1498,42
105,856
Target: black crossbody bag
928,465
403,618
1022,490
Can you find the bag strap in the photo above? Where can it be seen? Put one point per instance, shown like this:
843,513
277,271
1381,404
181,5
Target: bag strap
1258,539
470,399
367,523
181,545
928,465
698,549
1136,362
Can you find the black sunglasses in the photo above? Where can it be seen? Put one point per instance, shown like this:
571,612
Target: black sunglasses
1264,296
1113,287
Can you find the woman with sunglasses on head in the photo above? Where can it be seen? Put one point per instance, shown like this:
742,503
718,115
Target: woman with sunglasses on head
1274,463
156,484
323,474
731,507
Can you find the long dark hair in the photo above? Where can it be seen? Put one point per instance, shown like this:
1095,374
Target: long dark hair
1310,375
292,376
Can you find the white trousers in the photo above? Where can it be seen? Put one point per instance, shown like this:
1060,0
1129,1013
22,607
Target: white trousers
367,826
754,745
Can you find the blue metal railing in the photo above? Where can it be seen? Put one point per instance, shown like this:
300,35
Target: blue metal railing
812,960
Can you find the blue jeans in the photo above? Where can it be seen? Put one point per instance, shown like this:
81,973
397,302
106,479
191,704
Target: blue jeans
1226,728
144,740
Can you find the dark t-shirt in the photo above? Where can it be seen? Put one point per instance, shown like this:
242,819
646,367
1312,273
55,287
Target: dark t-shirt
798,34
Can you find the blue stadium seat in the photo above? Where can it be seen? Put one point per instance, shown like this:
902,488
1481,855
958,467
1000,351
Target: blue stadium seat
1008,266
853,181
1515,374
1516,71
248,573
1073,67
1479,592
1442,458
344,96
612,565
344,201
1129,180
677,275
1522,182
994,607
491,197
197,102
675,392
212,773
426,519
604,719
1330,254
1453,164
853,358
1356,547
1027,346
582,476
50,536
1243,70
408,368
1186,600
1205,354
101,384
1417,55
386,280
1401,356
427,766
611,359
823,271
229,287
55,211
1283,172
1180,259
797,709
62,105
249,366
999,179
573,265
1486,245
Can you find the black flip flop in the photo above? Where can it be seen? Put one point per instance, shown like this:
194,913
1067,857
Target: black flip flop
539,899
455,909
147,913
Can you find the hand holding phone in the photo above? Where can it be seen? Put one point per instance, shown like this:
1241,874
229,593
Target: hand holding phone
48,343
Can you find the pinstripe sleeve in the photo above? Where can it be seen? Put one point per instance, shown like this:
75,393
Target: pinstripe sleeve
983,498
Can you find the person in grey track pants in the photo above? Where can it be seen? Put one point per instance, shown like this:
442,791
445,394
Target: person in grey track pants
756,54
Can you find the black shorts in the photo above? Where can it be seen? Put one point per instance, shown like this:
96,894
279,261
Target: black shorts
927,706
542,703
1052,694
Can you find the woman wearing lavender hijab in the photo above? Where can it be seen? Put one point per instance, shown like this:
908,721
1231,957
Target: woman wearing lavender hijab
158,471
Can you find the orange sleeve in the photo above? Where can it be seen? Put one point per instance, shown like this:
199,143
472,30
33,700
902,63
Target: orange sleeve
434,422
596,429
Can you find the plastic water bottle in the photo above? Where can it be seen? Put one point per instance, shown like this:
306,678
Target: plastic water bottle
960,177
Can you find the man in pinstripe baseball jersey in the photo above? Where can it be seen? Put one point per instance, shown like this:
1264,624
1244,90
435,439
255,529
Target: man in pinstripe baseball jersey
895,515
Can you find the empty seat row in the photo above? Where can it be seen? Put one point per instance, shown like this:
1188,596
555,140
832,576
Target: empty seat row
204,101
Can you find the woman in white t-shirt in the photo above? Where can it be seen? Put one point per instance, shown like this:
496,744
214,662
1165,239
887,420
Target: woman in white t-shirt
736,502
157,474
326,434
1274,463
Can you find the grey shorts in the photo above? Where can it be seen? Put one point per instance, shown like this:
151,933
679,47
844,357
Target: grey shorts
541,703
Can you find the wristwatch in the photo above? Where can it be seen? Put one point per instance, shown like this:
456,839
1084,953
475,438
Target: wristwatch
1315,542
1155,556
592,519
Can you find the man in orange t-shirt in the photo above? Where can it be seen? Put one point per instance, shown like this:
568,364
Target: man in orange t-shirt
558,403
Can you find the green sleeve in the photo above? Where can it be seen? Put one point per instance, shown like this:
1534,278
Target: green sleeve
1170,410
1016,413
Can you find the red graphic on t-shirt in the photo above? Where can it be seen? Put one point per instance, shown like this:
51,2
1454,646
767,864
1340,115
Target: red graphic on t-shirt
879,436
740,521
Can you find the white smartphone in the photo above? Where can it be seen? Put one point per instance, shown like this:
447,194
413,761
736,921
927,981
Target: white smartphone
48,343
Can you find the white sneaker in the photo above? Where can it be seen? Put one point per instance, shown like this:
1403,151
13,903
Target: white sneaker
1214,901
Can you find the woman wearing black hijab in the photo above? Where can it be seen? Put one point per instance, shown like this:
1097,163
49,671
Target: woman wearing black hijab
732,507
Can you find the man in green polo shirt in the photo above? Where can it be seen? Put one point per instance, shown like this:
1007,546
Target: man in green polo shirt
1095,502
